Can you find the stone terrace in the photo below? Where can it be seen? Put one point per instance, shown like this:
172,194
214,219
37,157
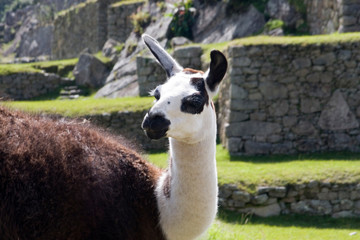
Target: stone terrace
286,99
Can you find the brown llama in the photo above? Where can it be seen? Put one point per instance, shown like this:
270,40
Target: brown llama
66,180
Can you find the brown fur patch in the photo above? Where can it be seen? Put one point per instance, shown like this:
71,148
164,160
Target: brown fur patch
64,180
192,71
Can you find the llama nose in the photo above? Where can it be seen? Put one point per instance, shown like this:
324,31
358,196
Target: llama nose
155,125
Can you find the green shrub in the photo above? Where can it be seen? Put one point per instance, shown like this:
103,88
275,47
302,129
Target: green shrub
182,22
273,24
140,21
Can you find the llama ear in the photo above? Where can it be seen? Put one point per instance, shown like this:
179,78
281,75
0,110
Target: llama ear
218,67
166,61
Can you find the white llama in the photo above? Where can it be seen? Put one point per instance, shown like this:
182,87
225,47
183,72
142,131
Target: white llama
187,192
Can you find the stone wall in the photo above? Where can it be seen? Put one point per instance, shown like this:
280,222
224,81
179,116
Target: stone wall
286,99
150,74
22,86
313,198
328,16
76,29
128,125
119,21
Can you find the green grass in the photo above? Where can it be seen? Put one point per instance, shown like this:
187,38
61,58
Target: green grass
125,2
279,40
83,106
58,65
250,172
234,226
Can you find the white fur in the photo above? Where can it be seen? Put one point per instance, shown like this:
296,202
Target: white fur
192,205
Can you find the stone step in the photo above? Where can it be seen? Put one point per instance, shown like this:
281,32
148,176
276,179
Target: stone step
71,92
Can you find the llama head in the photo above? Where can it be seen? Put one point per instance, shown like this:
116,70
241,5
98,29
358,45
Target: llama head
183,107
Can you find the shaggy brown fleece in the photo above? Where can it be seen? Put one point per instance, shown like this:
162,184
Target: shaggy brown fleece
65,180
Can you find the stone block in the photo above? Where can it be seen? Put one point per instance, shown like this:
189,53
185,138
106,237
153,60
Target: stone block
237,92
337,114
241,196
255,148
346,204
267,211
277,192
279,108
310,105
271,90
188,52
241,105
300,63
260,199
241,62
238,116
343,214
325,59
250,128
304,128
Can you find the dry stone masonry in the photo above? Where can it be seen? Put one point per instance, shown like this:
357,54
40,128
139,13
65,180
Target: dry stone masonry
313,198
21,86
285,99
119,21
328,16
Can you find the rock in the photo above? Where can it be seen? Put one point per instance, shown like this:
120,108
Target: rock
339,141
343,214
213,24
179,41
310,105
108,49
283,10
272,91
300,63
238,116
357,205
36,42
240,105
337,115
256,128
124,87
267,211
241,196
260,199
279,108
325,59
254,148
234,144
304,128
277,192
237,92
90,71
301,207
322,207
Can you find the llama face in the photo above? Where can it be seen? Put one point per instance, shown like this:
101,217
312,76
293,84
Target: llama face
183,108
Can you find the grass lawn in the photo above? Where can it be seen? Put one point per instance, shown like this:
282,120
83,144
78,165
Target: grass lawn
233,226
83,106
250,172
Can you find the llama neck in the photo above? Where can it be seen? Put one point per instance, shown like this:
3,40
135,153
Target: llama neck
187,192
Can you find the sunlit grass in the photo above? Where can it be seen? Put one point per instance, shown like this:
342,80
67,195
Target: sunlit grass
234,226
82,106
250,172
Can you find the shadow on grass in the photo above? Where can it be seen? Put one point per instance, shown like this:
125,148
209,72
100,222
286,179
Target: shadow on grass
322,222
345,156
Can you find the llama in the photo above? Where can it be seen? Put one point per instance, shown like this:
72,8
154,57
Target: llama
67,180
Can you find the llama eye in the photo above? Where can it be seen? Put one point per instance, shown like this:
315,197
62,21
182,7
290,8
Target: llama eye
157,94
193,104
